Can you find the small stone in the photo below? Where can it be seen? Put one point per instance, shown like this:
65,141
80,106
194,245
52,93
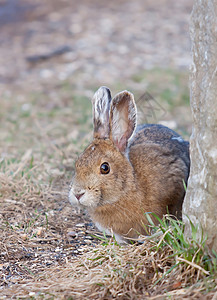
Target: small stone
80,225
81,249
87,242
39,231
23,236
72,234
89,237
81,233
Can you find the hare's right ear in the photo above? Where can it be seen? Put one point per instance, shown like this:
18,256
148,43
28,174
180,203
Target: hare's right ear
101,107
122,119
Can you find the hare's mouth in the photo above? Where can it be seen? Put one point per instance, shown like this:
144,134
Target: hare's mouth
72,198
82,197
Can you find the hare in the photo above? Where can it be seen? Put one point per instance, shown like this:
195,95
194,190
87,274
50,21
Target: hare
128,170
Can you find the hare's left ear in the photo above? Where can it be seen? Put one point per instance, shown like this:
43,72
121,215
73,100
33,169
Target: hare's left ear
122,119
101,107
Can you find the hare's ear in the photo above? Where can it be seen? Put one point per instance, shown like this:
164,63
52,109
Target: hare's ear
101,107
122,119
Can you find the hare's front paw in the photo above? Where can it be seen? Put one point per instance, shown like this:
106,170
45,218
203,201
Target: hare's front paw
117,237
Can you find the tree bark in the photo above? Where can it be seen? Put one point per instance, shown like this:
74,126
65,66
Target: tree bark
200,203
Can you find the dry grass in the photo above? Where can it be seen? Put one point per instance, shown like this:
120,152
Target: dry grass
47,250
114,272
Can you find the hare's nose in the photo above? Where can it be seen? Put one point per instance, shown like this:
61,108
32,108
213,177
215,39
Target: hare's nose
78,196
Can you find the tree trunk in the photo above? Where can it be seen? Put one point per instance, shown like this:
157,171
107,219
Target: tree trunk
200,203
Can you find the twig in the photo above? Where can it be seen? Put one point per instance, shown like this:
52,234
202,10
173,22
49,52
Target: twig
193,265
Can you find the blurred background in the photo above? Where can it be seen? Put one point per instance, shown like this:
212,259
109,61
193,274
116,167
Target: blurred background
54,54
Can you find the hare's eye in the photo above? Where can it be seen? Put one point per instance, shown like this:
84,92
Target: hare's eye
104,168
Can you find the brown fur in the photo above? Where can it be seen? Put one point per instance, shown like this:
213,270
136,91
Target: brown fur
146,177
